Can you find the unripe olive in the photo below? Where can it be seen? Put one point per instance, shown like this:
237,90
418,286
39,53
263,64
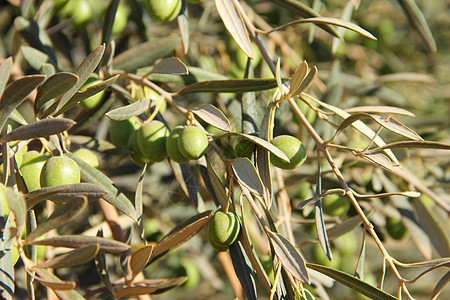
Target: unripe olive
223,230
120,19
136,156
395,228
192,142
31,169
292,147
94,100
59,170
80,10
88,157
163,10
238,56
335,205
120,131
18,157
151,139
172,148
320,257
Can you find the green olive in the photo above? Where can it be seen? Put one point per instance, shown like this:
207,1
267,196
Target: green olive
294,150
120,20
31,168
172,146
59,170
120,131
238,57
94,100
395,228
88,157
163,10
321,258
151,139
136,156
223,230
80,10
192,142
335,205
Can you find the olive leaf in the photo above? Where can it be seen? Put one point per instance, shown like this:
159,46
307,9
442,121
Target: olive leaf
130,110
54,86
73,258
230,86
212,116
246,174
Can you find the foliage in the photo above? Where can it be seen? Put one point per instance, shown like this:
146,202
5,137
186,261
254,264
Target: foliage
360,84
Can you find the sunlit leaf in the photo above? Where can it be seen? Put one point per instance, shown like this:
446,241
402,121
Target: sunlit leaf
150,287
306,82
15,93
113,196
130,110
16,204
219,190
51,281
230,86
171,65
78,241
297,78
41,128
145,54
321,229
181,233
183,25
213,116
139,260
54,86
264,144
138,203
378,159
34,57
61,216
247,175
352,282
380,110
232,20
5,70
440,285
73,258
290,258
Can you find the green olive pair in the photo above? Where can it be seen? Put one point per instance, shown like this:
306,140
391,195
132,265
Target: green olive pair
223,230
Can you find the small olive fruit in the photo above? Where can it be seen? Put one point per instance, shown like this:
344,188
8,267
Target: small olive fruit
120,131
335,205
94,100
59,171
192,142
321,258
80,10
172,146
136,156
223,230
163,10
120,19
294,150
31,169
88,157
151,139
395,228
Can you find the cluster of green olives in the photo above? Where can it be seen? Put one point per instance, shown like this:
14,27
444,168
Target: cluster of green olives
223,230
152,142
39,171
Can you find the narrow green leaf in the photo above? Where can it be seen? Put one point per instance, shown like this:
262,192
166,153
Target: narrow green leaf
154,287
183,26
440,285
77,241
213,116
219,190
233,23
230,86
243,270
195,75
378,159
16,204
61,216
181,233
34,57
246,174
380,110
90,91
130,110
139,260
41,128
171,65
297,78
306,82
306,12
263,143
433,228
321,230
54,86
15,93
64,193
51,281
113,196
329,21
418,21
145,54
73,258
7,274
412,144
5,70
138,203
289,256
108,20
84,70
353,282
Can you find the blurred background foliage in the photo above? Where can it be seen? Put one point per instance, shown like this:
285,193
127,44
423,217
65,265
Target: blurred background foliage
398,69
